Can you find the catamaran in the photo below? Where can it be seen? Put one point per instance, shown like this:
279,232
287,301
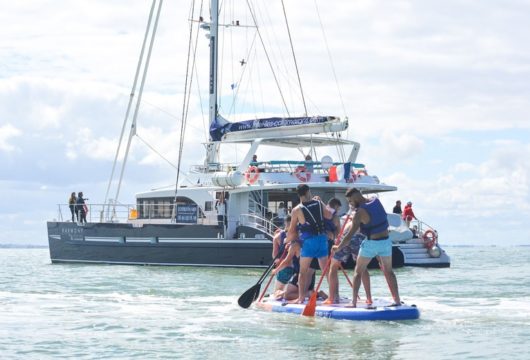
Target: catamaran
225,213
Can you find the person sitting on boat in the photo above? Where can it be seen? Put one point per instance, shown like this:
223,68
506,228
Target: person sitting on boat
308,219
280,247
371,219
408,214
397,208
340,258
81,208
254,160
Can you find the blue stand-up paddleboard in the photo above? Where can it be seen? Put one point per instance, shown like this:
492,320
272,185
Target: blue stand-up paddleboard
379,310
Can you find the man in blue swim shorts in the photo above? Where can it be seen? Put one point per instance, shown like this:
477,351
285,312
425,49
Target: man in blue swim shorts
307,224
371,219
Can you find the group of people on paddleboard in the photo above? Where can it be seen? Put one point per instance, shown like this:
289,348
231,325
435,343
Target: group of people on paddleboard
313,237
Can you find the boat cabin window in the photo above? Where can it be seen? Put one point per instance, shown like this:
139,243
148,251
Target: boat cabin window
161,208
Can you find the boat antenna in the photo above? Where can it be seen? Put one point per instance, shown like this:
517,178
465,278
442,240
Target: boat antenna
129,105
294,58
212,155
138,101
331,60
268,57
186,99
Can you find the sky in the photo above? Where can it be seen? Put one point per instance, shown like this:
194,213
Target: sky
437,93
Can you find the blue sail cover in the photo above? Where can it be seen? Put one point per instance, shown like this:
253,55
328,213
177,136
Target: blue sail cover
221,126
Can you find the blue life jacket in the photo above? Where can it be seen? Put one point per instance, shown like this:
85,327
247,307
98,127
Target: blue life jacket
378,218
314,220
329,225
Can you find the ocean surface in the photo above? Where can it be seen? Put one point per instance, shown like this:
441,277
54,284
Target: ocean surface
479,308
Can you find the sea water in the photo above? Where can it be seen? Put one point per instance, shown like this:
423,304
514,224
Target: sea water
478,308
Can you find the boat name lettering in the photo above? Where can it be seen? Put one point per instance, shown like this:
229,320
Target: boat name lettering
72,231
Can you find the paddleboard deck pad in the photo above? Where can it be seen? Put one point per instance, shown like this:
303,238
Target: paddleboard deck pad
379,310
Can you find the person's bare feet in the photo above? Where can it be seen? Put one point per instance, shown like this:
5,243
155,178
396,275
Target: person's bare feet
296,301
330,301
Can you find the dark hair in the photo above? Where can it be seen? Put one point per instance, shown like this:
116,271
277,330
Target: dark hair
352,192
288,218
302,189
334,202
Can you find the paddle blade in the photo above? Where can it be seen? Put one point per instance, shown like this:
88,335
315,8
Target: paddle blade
249,296
311,306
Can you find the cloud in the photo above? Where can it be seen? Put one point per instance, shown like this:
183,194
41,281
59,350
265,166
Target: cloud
8,132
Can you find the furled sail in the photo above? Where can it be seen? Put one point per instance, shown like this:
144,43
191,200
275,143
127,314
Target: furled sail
221,129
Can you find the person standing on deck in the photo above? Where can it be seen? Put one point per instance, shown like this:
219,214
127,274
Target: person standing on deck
408,214
308,219
371,218
81,208
220,206
71,204
397,208
281,214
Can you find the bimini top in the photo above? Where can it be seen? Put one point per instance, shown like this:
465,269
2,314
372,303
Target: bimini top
276,127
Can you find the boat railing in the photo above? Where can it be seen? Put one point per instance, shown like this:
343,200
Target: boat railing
276,166
130,213
259,223
422,227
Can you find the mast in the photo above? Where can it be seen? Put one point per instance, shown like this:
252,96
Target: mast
212,151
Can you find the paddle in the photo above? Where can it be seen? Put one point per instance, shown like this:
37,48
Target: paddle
311,306
248,297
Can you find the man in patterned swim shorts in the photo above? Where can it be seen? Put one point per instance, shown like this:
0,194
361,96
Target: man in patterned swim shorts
340,258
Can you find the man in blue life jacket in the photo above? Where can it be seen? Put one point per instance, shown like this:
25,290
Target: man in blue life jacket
371,218
307,225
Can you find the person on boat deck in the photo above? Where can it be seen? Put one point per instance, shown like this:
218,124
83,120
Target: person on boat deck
281,214
397,208
408,214
371,219
309,163
81,208
279,249
414,231
340,258
308,219
254,160
291,291
220,206
71,204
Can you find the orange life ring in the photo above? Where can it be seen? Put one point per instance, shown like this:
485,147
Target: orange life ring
362,172
252,174
301,174
430,239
